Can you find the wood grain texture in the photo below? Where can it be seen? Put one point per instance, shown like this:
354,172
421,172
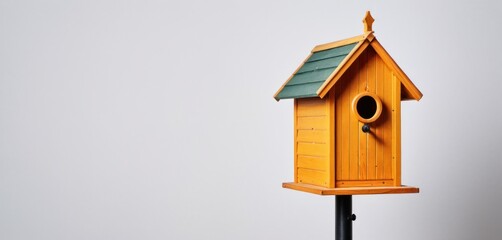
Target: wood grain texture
371,137
312,176
312,162
312,141
396,130
330,108
309,135
341,123
379,131
313,149
362,136
314,122
311,107
387,123
364,156
342,68
350,191
353,138
411,89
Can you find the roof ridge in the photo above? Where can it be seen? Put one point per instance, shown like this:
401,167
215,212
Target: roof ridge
339,43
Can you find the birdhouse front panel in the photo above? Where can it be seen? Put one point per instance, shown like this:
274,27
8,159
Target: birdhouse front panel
369,87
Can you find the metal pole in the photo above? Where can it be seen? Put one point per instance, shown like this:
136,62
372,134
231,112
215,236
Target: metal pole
344,217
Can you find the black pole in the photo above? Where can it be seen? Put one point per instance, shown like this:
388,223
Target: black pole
344,217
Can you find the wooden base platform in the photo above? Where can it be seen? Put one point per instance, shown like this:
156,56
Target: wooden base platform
349,191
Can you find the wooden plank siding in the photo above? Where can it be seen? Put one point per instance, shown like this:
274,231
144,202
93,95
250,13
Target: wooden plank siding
386,119
379,133
366,159
363,78
330,108
353,138
396,130
312,141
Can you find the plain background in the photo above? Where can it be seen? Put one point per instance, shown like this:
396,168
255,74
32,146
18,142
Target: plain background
155,119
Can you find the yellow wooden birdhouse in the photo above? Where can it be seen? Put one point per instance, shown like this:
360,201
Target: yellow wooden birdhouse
347,118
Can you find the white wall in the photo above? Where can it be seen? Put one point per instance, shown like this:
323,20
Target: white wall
155,119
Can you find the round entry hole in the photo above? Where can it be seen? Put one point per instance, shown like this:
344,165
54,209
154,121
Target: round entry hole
367,107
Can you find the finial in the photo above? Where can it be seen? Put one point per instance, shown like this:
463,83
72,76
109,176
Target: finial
368,22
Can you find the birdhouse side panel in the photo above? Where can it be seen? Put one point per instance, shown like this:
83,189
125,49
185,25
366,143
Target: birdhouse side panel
312,141
364,159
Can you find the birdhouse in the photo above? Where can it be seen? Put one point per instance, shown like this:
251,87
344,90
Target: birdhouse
347,118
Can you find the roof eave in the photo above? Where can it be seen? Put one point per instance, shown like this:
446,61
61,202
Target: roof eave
414,92
321,47
284,84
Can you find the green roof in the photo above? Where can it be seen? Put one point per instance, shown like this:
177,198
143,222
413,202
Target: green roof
314,72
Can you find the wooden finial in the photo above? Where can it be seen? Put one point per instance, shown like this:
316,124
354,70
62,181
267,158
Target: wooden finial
368,22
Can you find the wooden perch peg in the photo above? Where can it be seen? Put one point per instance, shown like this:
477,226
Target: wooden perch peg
368,22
